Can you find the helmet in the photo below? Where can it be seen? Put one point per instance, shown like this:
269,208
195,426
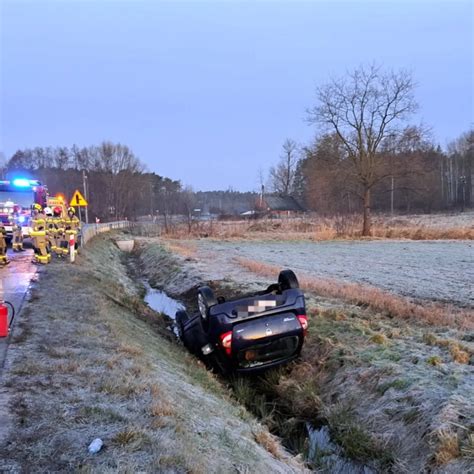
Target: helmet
37,207
57,211
48,211
71,209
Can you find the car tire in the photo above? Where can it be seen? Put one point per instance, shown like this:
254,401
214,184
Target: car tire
287,280
206,299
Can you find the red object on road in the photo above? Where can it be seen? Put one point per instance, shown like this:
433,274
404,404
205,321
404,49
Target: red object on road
3,320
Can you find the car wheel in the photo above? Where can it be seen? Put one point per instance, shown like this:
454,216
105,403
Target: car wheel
287,280
206,299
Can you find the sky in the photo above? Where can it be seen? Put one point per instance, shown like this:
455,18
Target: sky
207,92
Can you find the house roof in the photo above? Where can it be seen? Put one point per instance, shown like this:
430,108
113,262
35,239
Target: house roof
282,203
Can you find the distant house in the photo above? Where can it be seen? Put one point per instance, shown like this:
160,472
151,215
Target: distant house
279,206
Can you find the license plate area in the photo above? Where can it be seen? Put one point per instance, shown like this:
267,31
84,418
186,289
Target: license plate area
266,352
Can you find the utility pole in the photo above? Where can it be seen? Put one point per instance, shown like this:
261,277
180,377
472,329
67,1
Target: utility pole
84,185
392,189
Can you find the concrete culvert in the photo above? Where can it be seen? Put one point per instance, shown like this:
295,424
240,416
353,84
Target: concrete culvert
125,245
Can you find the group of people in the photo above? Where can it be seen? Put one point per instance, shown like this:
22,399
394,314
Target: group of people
50,233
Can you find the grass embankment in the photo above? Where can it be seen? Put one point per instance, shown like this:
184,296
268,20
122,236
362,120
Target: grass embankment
394,395
88,359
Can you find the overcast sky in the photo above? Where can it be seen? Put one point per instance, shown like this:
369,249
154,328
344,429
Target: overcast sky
207,92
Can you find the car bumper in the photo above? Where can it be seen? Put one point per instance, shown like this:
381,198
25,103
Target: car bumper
268,365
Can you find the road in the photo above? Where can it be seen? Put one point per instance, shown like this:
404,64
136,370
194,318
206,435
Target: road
15,280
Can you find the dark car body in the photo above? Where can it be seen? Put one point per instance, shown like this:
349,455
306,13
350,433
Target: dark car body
248,334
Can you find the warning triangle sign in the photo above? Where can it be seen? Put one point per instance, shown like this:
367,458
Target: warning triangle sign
78,199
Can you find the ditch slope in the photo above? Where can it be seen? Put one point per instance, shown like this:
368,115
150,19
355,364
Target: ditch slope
394,395
88,359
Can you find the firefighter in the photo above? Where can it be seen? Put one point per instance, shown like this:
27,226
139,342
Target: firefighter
71,227
57,231
17,238
3,246
50,232
17,231
40,242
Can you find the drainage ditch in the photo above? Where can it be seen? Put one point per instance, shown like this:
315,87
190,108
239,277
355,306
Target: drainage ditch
260,396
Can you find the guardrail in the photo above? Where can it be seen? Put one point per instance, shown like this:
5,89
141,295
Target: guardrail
90,230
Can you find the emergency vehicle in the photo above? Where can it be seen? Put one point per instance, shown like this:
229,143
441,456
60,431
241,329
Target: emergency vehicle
16,199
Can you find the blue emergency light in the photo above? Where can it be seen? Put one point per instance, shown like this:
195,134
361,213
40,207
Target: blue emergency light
25,183
21,183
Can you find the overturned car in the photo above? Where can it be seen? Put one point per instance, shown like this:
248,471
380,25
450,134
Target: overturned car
248,334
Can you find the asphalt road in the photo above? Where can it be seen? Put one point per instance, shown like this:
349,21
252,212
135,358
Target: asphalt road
15,280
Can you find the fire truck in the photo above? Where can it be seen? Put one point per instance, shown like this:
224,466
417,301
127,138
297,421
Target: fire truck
16,200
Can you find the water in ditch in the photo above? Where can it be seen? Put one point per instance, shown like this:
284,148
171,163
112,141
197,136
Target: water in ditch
160,302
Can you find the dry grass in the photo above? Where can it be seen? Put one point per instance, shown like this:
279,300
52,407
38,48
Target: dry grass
186,250
434,361
269,442
467,449
131,438
162,408
447,446
379,338
379,300
130,350
458,352
323,228
460,356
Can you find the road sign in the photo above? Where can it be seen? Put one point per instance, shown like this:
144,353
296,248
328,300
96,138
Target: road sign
78,199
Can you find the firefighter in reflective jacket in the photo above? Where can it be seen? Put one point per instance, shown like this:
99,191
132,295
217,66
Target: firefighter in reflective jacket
3,246
71,226
17,231
38,232
56,231
17,238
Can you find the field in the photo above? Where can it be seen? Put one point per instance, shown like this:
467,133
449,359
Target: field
387,368
456,226
433,270
385,382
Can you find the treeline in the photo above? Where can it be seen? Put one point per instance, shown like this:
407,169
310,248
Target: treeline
413,176
118,184
367,154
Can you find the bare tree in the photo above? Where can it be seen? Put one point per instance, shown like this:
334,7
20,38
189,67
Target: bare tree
364,109
282,176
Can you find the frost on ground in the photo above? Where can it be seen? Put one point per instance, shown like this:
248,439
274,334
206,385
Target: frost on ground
394,394
434,221
89,360
430,270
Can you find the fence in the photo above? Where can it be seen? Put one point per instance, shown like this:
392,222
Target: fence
148,229
90,230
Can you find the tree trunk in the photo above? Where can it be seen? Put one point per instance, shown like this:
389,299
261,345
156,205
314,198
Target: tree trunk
366,224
